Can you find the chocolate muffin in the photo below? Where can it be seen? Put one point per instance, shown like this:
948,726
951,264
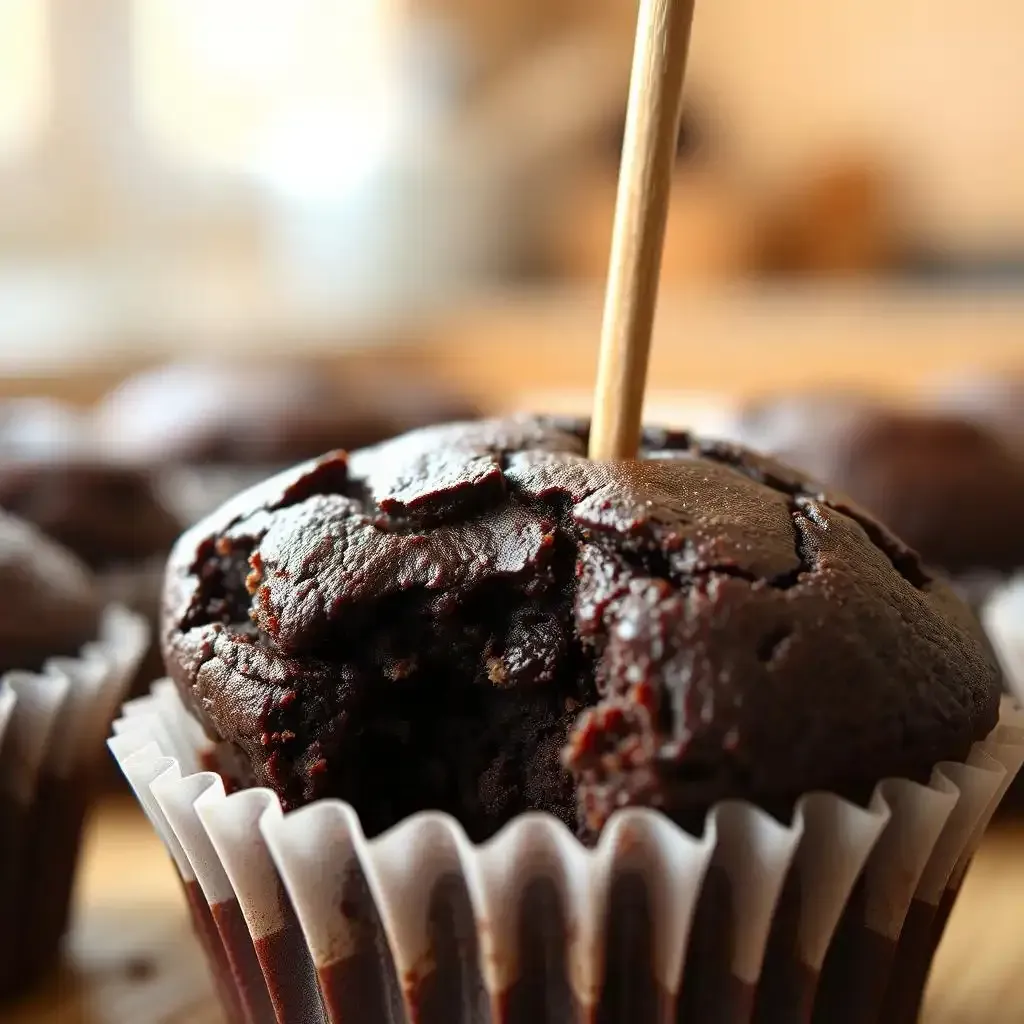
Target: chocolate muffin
53,715
476,618
950,488
803,428
108,515
229,415
49,603
113,517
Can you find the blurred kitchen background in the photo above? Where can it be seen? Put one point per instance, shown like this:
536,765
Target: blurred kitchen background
433,180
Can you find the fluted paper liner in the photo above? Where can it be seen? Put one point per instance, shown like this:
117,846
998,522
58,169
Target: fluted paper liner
749,921
51,720
52,727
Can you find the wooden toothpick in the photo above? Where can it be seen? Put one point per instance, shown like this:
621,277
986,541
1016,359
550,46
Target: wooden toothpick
645,180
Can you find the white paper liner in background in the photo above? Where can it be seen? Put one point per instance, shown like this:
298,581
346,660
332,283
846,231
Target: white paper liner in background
908,844
52,721
52,727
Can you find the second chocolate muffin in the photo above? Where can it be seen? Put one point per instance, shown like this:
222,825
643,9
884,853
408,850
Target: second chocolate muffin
479,619
950,488
49,604
225,414
111,516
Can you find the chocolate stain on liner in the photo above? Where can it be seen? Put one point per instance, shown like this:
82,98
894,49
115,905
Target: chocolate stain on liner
857,971
56,826
13,828
630,991
453,992
216,954
788,986
244,965
288,972
542,994
366,979
710,992
865,979
38,889
922,932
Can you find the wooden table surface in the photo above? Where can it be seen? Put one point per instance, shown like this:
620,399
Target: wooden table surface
132,959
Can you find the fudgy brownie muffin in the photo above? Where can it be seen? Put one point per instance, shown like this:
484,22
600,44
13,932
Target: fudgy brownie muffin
950,488
478,619
49,603
226,414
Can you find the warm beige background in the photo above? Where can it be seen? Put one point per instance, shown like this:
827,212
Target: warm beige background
932,87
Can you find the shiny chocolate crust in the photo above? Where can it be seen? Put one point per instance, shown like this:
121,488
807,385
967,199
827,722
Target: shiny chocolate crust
478,619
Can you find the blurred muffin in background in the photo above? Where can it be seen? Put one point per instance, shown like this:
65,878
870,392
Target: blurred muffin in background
220,413
214,428
995,400
950,488
110,516
113,517
838,221
786,424
54,475
65,660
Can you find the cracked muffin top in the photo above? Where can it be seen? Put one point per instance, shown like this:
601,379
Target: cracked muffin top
478,619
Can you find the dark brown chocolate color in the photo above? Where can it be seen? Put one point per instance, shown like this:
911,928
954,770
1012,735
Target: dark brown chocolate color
39,844
478,619
950,488
225,414
228,982
48,600
106,514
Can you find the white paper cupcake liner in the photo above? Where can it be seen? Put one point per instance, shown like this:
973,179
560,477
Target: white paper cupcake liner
52,727
752,921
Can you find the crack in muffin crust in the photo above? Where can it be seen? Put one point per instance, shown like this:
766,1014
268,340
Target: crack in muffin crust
478,619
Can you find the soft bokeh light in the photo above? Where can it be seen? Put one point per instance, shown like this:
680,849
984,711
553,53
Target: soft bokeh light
23,73
222,82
